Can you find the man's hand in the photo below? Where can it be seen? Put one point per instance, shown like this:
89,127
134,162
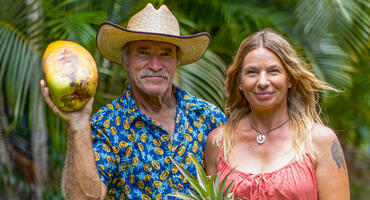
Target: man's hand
72,118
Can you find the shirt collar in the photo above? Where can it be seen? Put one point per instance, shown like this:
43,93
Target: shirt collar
185,101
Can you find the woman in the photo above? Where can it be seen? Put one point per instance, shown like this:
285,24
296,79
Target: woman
275,144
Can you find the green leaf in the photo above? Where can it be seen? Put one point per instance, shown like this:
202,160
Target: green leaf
190,178
216,187
210,190
222,188
227,191
187,175
204,78
194,194
183,196
202,177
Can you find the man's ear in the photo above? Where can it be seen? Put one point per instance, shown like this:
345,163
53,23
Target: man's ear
124,64
125,67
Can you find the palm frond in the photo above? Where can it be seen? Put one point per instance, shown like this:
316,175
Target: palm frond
204,78
17,61
347,18
330,62
314,18
331,56
352,26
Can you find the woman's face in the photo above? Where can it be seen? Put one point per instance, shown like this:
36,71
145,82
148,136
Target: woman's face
264,80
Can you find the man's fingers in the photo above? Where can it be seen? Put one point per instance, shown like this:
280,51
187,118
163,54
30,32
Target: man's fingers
42,83
44,88
48,99
91,101
45,93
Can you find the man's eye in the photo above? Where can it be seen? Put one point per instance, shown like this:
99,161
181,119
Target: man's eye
143,53
165,54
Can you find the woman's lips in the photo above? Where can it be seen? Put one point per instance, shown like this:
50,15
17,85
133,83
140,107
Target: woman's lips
263,95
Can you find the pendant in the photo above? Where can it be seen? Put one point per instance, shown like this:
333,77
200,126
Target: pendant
260,138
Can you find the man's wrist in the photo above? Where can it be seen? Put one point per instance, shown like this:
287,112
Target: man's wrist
79,126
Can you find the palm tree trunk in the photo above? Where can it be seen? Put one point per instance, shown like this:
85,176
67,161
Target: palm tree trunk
6,193
38,129
4,127
39,150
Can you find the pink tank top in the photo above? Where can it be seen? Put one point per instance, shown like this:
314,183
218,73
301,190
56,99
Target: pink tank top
294,181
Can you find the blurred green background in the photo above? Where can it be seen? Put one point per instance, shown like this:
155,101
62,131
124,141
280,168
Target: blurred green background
331,35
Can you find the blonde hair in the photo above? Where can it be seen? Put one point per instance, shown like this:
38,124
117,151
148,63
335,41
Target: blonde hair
302,98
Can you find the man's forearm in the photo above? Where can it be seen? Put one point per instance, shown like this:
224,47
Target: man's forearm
80,176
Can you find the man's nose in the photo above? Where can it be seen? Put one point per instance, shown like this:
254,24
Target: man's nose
263,80
155,63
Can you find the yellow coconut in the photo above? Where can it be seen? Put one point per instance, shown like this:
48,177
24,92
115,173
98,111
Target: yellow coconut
70,73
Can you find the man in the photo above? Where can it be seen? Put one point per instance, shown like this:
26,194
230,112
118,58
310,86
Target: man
134,135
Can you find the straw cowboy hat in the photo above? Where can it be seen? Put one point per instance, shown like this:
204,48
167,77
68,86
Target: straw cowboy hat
151,24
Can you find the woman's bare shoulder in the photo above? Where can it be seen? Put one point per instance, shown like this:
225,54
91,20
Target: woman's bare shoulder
214,133
323,139
322,134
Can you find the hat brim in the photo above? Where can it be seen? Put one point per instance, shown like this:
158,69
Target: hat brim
111,38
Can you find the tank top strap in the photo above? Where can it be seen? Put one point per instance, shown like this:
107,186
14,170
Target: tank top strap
308,160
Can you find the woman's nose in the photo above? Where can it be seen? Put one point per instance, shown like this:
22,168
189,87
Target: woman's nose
263,80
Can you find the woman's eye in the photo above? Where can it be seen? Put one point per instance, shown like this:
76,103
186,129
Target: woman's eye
274,71
251,72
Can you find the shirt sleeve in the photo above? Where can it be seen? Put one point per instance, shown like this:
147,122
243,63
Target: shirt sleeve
104,156
218,118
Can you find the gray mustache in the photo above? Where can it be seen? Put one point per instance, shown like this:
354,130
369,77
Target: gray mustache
160,73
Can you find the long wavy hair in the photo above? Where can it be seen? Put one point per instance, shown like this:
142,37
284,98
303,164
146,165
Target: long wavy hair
302,98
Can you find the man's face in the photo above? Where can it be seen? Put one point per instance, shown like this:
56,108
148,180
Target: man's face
151,66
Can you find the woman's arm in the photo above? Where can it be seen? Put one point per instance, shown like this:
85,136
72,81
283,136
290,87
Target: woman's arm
211,153
331,169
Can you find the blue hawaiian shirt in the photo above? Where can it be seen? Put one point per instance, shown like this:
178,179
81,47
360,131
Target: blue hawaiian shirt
132,151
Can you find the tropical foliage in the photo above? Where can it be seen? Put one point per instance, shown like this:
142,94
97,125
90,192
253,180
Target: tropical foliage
204,187
331,35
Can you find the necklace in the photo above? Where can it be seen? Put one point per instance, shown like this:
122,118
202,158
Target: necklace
261,136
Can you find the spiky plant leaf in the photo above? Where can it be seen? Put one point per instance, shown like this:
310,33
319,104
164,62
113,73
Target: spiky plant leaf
223,192
193,182
194,194
183,196
216,185
212,189
201,175
227,192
